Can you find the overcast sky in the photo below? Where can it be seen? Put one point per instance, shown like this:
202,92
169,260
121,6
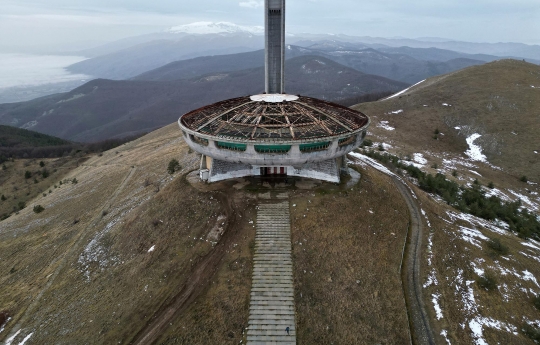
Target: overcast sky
60,22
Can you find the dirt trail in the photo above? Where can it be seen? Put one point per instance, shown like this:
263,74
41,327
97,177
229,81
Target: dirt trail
69,252
419,320
200,277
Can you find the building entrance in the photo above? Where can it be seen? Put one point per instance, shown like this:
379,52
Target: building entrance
273,171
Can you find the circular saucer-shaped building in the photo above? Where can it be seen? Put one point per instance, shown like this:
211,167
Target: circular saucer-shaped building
273,133
284,133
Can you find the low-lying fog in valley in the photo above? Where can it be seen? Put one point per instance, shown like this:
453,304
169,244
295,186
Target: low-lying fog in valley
24,77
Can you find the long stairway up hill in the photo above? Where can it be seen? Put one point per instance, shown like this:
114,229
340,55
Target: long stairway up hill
272,293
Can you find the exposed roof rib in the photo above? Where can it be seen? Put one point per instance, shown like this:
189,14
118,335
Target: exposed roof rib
304,118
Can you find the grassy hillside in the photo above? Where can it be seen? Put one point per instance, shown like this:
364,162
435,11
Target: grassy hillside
22,180
18,137
128,239
111,250
498,100
103,109
480,277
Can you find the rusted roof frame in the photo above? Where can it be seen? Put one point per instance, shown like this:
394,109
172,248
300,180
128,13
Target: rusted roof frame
218,116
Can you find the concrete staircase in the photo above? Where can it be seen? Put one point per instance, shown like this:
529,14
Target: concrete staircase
272,293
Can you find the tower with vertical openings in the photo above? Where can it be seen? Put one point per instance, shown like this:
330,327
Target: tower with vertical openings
274,46
273,134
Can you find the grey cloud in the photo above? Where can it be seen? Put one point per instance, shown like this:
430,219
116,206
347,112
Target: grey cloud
62,21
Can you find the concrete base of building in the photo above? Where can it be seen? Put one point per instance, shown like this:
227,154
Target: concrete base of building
213,170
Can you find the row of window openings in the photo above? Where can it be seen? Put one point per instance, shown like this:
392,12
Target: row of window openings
311,147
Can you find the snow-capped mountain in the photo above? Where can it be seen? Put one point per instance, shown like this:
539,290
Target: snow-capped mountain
215,28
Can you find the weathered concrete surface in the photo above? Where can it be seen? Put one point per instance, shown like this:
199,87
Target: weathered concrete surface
324,170
272,293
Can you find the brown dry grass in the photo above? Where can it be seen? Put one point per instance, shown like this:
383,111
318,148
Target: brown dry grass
346,263
16,188
346,269
497,101
107,282
494,99
452,257
220,314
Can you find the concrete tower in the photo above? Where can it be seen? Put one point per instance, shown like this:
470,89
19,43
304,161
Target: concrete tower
275,46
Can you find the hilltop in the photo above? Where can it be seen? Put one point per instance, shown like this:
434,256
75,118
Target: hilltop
470,134
128,239
498,101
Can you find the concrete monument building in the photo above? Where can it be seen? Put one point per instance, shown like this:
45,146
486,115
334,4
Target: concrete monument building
273,133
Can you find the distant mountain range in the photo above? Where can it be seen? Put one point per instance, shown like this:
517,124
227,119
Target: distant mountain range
394,66
132,61
407,60
103,109
131,57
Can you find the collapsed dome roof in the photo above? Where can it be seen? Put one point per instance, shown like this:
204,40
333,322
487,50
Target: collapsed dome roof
271,118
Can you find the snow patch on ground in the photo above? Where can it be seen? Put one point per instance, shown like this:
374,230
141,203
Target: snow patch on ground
525,199
532,243
395,112
419,158
26,339
425,216
475,151
436,306
452,163
444,333
468,297
372,162
403,91
385,125
479,271
10,340
95,254
4,325
446,105
432,275
495,226
418,161
529,276
152,249
472,236
530,256
498,193
478,323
